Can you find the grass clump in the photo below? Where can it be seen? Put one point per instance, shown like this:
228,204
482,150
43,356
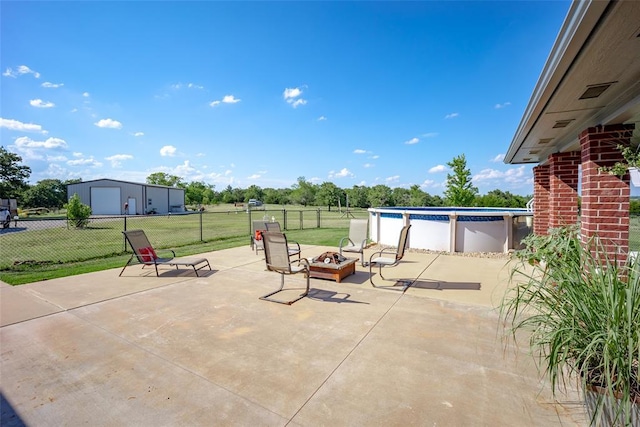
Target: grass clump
581,311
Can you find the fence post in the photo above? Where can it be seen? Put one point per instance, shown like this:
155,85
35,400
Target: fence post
250,223
124,239
301,220
201,226
318,218
284,219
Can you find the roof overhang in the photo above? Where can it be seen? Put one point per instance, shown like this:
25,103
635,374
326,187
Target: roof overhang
591,77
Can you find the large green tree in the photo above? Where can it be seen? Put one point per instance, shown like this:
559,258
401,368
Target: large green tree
329,194
358,196
13,175
254,192
48,193
460,190
162,178
304,192
380,195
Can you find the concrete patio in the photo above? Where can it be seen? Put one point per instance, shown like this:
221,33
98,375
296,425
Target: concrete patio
139,350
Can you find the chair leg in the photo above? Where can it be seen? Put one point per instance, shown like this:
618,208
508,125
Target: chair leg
304,294
125,266
406,284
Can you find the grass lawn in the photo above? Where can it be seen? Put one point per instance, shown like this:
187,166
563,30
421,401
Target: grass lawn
47,248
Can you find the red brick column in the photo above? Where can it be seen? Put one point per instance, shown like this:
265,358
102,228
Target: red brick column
605,197
541,194
563,186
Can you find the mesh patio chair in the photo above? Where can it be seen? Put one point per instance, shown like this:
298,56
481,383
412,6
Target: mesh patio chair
257,228
357,239
277,259
390,257
144,253
294,247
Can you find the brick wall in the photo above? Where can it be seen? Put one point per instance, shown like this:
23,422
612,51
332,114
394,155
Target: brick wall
605,197
541,200
563,188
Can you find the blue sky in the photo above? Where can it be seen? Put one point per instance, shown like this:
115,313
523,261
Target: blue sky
262,93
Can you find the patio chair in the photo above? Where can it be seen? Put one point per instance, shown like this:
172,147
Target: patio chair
257,227
380,260
144,253
294,247
357,239
277,259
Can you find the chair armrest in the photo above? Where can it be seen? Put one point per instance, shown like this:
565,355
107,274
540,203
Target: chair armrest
392,251
340,245
293,243
302,261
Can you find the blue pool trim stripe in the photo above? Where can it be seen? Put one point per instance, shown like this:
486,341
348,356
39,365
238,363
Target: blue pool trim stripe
444,218
470,218
390,215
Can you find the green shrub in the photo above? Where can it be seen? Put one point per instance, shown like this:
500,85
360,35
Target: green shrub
77,212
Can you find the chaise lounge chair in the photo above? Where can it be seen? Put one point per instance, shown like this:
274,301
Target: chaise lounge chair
144,253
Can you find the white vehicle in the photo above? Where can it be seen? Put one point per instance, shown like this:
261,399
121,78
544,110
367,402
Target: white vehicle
254,202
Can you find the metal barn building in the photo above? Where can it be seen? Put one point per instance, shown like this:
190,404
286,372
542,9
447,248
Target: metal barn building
109,196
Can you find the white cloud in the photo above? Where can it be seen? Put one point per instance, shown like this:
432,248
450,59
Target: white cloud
367,165
86,94
412,141
52,85
322,118
254,176
292,93
438,169
58,158
227,99
138,134
451,116
511,176
19,126
87,161
498,106
117,159
168,151
30,149
430,135
292,97
343,173
498,158
230,99
108,123
179,86
394,178
22,69
26,142
39,103
359,151
375,156
298,102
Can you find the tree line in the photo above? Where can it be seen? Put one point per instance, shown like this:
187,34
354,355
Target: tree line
52,193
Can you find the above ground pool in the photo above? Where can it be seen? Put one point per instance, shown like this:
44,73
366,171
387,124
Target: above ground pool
452,229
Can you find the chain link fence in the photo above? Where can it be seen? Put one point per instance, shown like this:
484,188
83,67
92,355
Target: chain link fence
31,242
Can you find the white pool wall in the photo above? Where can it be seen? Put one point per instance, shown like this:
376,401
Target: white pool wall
452,229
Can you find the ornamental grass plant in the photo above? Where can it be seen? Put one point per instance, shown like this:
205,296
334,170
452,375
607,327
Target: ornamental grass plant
581,313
